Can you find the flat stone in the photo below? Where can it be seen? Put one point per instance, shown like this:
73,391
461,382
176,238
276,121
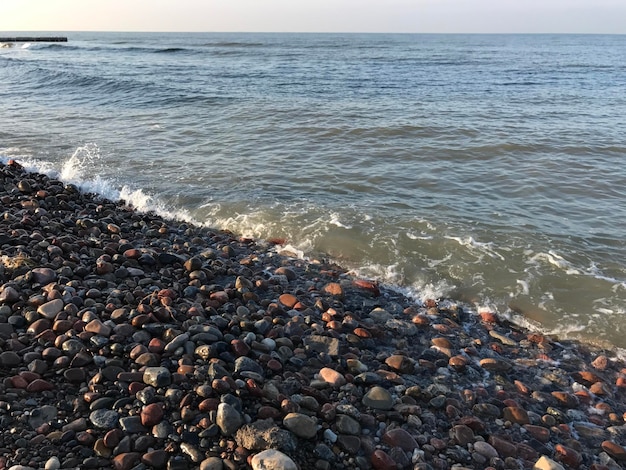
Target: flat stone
132,424
323,344
272,460
151,414
10,359
176,343
462,434
515,414
301,425
485,449
504,448
502,338
43,276
104,419
399,437
378,398
493,364
614,450
51,309
126,461
99,328
347,425
246,364
400,363
332,377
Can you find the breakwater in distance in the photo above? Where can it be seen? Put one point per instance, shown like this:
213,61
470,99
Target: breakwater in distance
481,168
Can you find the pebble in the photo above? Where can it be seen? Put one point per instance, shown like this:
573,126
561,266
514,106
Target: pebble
301,425
130,341
378,398
332,377
228,419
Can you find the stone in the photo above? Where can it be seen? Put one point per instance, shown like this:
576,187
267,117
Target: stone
332,377
381,460
493,364
400,363
301,425
462,434
104,419
53,463
515,414
155,458
546,463
271,459
485,449
10,359
43,276
151,414
51,309
39,385
126,461
228,419
157,376
212,463
399,437
504,448
246,364
378,398
263,434
347,425
97,327
614,450
323,344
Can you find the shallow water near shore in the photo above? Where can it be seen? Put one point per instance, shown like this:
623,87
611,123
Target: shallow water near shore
487,169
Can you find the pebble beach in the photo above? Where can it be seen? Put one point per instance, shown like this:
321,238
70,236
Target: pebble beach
129,341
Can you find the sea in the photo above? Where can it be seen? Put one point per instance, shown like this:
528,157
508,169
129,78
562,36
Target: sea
486,170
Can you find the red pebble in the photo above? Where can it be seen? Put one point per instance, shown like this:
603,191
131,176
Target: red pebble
382,461
568,456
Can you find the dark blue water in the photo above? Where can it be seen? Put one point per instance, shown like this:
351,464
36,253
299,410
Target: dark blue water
485,168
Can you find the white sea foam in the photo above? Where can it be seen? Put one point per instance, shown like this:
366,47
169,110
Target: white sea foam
473,244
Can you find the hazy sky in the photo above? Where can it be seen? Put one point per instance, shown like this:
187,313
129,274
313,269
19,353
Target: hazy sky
420,16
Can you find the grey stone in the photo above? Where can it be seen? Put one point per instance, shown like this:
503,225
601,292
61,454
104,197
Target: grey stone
323,344
228,419
104,419
246,364
301,425
157,376
271,459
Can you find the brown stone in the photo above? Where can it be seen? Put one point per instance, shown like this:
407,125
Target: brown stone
332,377
495,365
39,385
288,300
515,414
334,288
151,414
504,448
462,434
400,363
568,456
458,363
381,460
614,450
398,437
538,432
126,461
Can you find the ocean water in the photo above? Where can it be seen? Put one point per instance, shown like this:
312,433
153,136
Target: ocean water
488,169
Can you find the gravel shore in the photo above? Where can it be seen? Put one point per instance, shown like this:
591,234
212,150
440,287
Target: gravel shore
132,342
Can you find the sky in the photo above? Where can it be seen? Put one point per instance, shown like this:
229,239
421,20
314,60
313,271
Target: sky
402,16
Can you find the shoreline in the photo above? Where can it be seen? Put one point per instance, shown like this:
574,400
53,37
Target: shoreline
130,341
